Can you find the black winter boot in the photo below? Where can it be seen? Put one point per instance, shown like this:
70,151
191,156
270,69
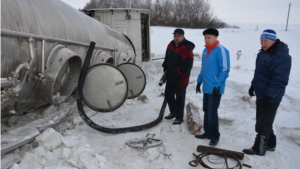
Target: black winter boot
260,145
250,151
170,116
271,145
213,142
202,136
177,121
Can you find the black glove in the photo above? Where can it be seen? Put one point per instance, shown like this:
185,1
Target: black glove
251,91
198,90
163,79
266,102
216,91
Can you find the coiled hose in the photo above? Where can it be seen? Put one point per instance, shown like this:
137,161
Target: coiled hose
95,126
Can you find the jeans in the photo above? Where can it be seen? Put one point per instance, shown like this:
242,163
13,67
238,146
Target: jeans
176,105
211,121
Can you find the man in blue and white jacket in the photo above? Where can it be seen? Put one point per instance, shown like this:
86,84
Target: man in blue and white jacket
213,75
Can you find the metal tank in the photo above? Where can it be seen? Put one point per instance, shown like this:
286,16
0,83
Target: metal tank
43,46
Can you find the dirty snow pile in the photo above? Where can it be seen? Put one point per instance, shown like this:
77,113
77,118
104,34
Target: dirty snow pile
56,151
82,147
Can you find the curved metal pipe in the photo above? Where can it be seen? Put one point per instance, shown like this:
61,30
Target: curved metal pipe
18,85
21,66
15,90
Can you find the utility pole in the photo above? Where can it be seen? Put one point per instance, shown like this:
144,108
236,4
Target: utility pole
288,17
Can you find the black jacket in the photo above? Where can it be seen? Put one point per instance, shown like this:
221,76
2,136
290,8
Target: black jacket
179,62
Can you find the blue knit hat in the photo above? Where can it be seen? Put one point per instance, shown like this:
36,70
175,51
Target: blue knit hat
268,34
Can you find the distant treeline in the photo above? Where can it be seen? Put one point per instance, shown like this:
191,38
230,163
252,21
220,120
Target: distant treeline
176,13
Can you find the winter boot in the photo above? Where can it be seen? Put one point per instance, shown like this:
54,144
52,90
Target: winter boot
250,151
178,121
259,147
202,136
213,142
271,145
270,148
170,116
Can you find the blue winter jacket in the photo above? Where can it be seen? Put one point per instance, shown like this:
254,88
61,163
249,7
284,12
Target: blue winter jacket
272,72
215,69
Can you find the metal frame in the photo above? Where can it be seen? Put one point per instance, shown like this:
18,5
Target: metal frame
50,39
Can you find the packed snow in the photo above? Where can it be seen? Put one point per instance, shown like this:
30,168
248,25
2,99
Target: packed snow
74,144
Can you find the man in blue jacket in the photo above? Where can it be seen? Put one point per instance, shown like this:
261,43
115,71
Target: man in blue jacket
271,76
177,66
213,75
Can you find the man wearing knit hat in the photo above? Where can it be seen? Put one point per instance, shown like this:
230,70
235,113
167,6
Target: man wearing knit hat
271,76
213,75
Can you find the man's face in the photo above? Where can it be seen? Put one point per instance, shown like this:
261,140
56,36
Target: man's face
178,38
210,39
266,43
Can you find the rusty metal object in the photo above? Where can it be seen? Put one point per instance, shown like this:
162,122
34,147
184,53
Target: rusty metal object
204,149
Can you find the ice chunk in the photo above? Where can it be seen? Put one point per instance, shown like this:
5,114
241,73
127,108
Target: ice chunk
86,158
49,139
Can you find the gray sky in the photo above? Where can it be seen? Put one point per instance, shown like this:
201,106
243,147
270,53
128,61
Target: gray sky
244,11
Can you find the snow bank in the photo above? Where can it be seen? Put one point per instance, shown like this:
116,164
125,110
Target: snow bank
58,152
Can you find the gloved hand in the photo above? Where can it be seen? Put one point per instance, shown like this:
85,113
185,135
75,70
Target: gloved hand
251,91
198,90
163,79
266,102
216,91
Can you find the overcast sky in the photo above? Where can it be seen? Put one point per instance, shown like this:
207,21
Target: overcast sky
243,11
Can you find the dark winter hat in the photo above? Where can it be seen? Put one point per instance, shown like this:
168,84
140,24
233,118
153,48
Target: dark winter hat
211,31
179,31
268,34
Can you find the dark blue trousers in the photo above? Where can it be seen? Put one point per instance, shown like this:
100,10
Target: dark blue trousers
264,127
211,121
176,105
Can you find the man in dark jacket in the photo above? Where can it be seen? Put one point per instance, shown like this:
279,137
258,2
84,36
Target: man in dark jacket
177,65
271,76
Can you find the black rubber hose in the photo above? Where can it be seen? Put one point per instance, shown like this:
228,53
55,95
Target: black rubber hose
96,126
130,43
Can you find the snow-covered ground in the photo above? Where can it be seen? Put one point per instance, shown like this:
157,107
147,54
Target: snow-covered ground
76,145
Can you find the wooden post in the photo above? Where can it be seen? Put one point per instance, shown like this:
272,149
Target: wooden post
288,17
